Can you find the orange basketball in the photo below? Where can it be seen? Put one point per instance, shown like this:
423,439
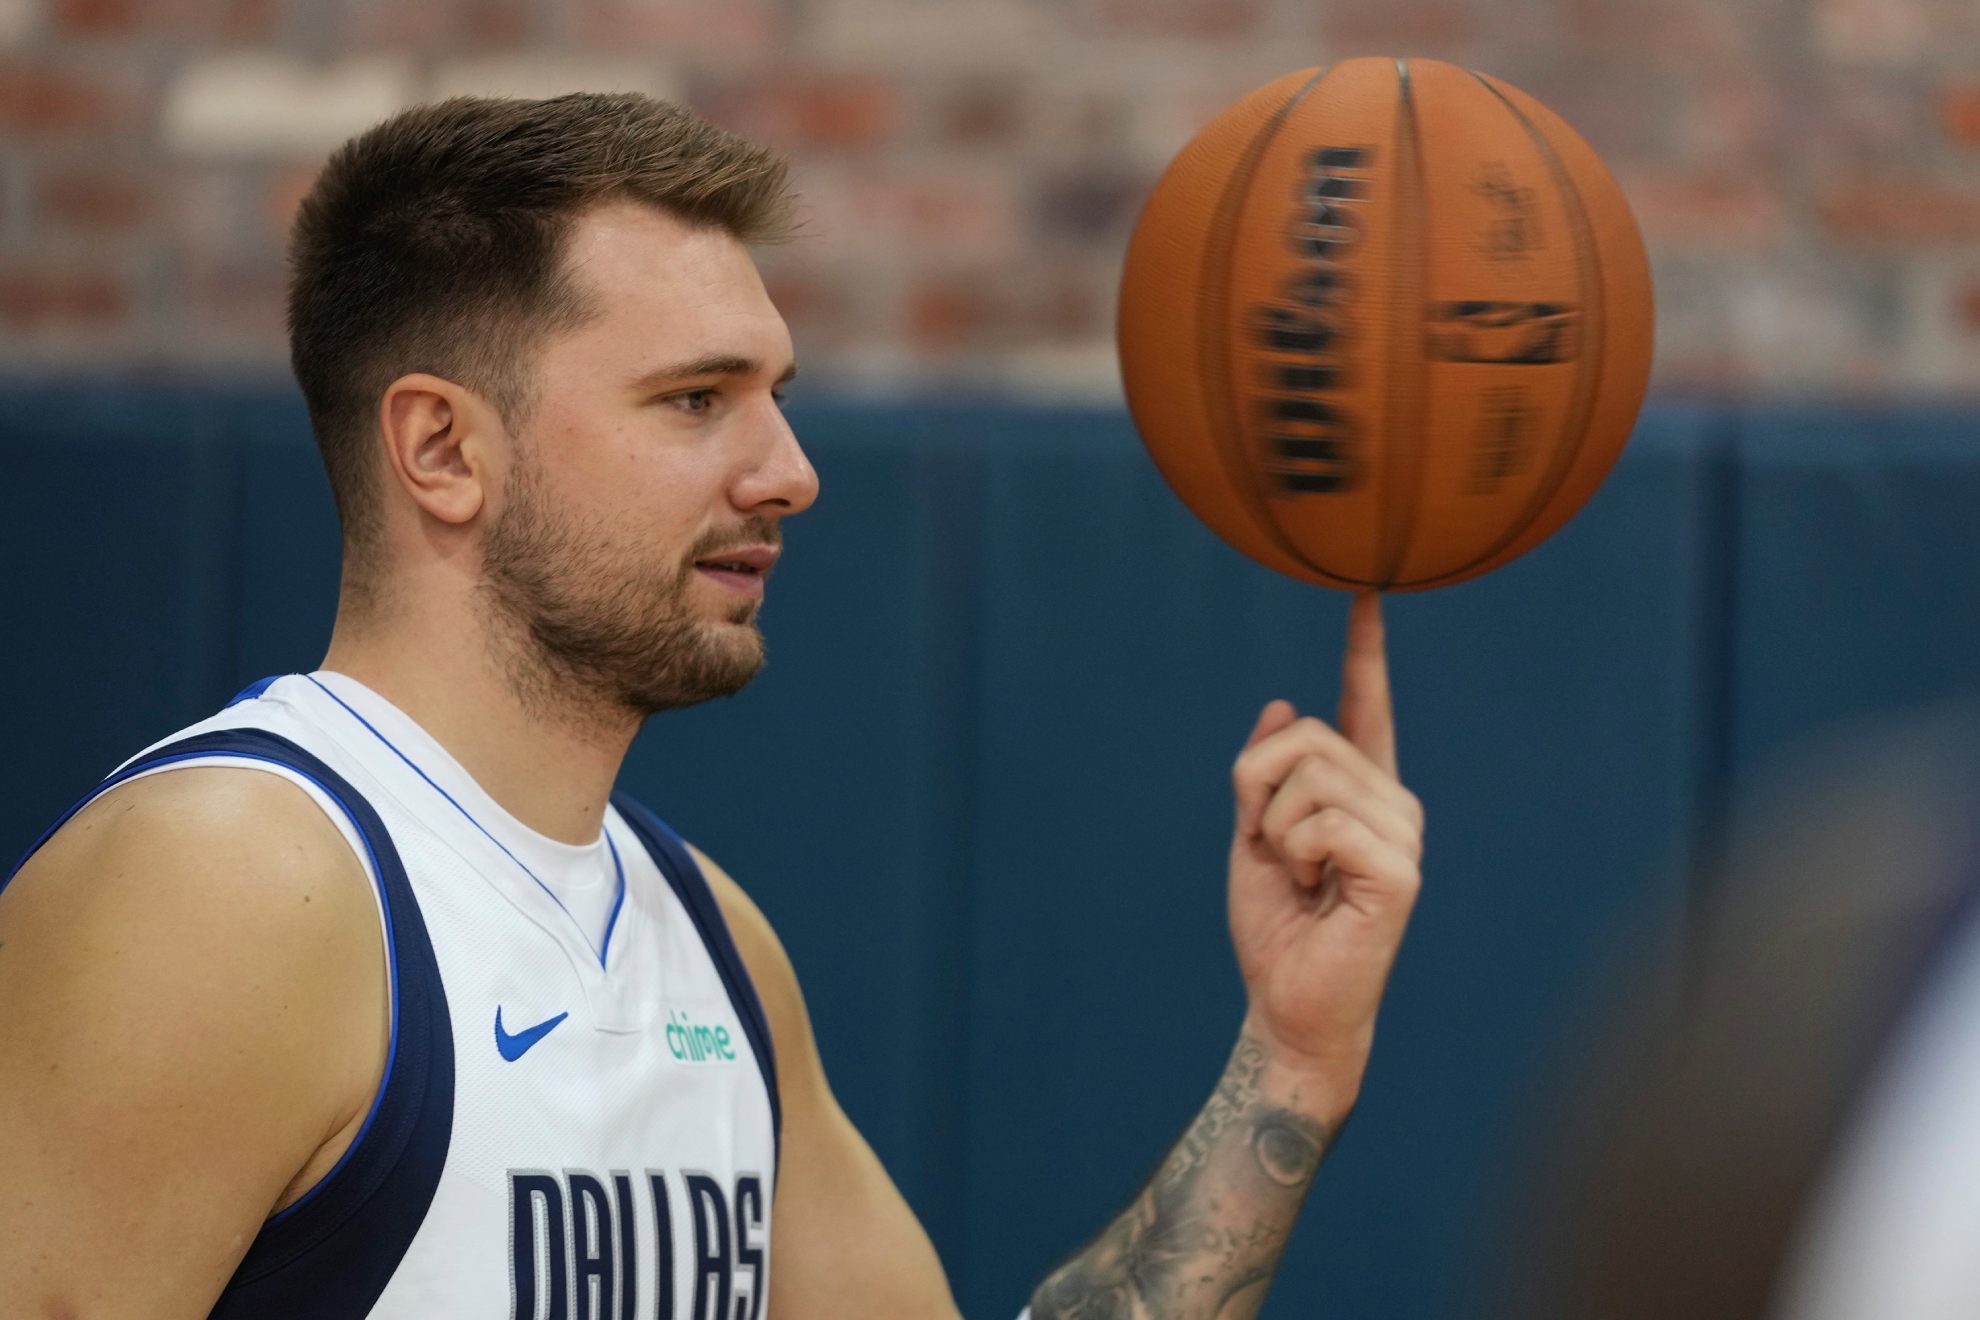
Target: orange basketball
1386,324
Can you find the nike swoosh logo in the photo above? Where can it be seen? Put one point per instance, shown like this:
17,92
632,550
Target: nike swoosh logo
514,1047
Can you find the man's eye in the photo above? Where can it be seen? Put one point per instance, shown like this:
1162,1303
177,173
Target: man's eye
694,401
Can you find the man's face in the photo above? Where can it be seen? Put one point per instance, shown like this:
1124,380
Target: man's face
634,530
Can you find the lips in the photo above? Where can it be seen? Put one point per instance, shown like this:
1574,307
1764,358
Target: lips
757,559
741,570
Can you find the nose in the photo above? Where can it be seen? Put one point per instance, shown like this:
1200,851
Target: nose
782,479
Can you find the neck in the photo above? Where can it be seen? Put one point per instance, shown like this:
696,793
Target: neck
549,760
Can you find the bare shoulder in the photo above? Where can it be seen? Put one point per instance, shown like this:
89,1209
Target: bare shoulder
193,972
800,1071
215,899
848,1243
211,852
762,952
746,920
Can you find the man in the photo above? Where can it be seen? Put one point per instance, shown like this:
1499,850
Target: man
246,1068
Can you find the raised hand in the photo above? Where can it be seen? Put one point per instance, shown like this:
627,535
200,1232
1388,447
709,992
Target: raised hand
1324,872
1323,876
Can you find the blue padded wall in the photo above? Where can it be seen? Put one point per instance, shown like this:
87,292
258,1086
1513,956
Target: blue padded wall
1856,584
982,787
1545,718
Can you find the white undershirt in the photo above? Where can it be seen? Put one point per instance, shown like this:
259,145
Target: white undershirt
581,876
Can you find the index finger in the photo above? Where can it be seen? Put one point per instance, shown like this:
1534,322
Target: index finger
1366,718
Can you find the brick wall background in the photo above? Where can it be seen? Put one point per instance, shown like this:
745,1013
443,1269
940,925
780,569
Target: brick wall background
1807,172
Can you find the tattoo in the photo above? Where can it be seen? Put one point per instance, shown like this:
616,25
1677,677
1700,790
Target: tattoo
1288,1155
1203,1238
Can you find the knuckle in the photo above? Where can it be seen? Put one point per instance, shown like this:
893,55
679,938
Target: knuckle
1314,771
1327,830
1309,845
1273,823
1334,819
1309,823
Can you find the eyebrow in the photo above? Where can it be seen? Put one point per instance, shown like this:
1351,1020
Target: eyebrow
715,364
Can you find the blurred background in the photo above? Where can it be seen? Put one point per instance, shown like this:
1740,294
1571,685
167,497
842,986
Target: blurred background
987,766
1804,170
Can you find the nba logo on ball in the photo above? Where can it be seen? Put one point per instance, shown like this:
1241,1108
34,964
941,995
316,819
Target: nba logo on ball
1385,325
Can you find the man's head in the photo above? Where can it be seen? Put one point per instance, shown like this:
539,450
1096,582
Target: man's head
542,369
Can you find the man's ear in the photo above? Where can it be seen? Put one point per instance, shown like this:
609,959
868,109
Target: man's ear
438,444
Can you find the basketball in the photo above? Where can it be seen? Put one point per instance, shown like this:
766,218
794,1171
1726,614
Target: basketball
1385,325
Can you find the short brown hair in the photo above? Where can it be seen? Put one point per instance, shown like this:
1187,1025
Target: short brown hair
434,242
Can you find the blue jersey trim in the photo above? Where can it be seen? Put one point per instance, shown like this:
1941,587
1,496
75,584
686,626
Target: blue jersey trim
165,757
329,1255
252,690
612,921
412,765
671,855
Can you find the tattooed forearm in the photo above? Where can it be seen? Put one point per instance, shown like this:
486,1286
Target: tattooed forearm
1204,1237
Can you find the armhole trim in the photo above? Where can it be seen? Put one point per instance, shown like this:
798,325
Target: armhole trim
684,875
302,1262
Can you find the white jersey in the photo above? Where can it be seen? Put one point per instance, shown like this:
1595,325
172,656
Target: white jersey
573,1124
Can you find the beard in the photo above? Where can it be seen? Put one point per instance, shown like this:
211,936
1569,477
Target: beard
585,623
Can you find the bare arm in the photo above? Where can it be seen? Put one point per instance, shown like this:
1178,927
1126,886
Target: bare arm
191,975
1205,1235
848,1246
1323,876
